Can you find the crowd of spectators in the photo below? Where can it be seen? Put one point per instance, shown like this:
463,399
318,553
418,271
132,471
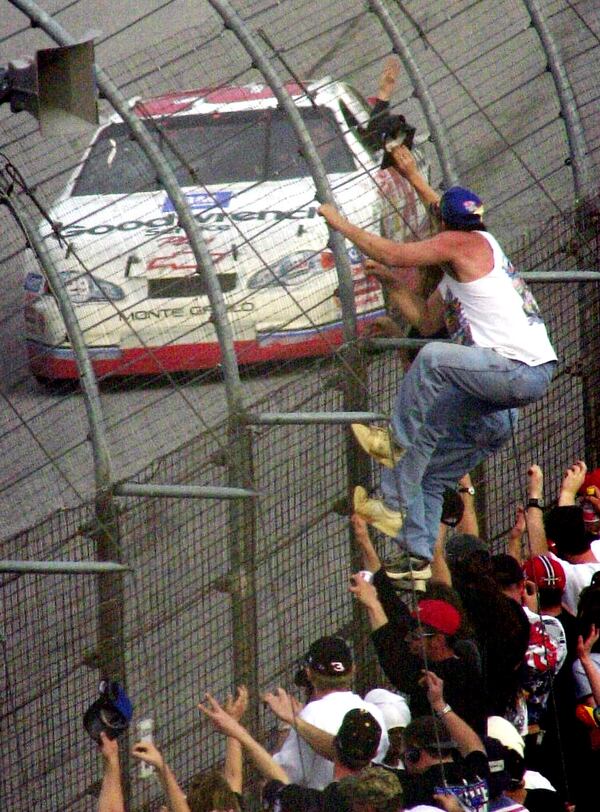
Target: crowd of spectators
489,695
489,689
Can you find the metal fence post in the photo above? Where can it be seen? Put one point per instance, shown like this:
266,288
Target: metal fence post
579,158
110,652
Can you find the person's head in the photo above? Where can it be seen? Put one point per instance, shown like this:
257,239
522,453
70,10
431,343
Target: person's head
591,508
328,664
357,739
396,715
426,742
210,792
461,210
509,575
548,576
566,529
437,590
509,774
469,560
506,765
434,624
588,608
372,790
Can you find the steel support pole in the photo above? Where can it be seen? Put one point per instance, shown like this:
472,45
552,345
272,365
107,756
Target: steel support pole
439,133
243,542
579,158
251,45
62,567
111,616
182,491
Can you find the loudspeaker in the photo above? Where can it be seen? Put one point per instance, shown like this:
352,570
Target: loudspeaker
58,88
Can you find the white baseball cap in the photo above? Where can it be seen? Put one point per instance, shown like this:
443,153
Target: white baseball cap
506,733
393,707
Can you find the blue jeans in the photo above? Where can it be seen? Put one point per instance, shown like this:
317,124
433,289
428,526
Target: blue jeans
456,405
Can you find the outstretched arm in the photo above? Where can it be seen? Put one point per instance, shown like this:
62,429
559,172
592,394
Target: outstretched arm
226,724
538,543
426,315
148,753
440,572
284,707
463,734
571,482
233,770
388,77
367,595
433,251
370,559
592,672
405,163
468,523
111,792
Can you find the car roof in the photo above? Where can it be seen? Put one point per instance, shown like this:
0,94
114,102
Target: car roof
232,98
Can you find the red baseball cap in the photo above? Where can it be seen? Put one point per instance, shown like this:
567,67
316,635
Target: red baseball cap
545,571
439,615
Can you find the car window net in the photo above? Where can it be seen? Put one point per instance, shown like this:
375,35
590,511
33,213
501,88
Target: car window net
215,149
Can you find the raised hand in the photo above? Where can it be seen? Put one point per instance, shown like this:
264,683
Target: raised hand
149,754
236,706
285,706
388,77
219,717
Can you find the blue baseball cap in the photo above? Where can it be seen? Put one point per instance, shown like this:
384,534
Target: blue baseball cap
461,207
110,713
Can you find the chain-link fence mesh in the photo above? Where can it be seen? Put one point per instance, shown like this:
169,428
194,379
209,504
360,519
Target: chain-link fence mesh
487,72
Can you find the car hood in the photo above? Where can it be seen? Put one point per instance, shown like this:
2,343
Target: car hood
245,227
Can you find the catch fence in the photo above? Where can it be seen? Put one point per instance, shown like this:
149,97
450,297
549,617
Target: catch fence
224,590
179,599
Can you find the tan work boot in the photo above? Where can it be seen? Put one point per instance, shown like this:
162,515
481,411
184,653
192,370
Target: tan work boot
376,513
405,567
376,441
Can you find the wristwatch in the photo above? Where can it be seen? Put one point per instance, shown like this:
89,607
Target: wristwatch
470,490
535,502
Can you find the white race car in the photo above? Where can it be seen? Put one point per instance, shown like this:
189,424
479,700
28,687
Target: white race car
129,269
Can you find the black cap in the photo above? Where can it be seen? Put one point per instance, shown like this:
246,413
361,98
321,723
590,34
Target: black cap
395,128
566,528
453,508
330,656
357,740
110,713
507,570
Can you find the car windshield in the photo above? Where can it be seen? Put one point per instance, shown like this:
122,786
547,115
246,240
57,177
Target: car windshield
231,147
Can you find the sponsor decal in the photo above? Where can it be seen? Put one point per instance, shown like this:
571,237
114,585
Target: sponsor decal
180,256
209,221
201,201
158,313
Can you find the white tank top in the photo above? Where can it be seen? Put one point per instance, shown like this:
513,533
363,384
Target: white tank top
497,311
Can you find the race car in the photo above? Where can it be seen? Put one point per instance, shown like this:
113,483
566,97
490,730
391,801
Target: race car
128,267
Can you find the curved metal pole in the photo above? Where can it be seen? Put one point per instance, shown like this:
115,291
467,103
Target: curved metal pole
167,177
324,193
568,106
89,385
439,134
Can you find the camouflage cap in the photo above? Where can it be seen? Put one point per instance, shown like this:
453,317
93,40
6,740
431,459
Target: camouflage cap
374,785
